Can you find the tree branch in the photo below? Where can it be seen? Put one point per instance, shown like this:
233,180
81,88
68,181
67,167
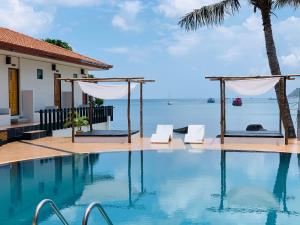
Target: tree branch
209,15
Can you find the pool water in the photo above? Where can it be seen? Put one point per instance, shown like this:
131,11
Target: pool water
157,187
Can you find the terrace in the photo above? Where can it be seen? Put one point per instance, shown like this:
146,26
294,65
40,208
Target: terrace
60,146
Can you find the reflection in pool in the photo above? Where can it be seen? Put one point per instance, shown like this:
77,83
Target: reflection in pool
150,187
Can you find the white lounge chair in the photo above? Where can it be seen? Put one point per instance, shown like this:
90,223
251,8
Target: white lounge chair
195,134
164,134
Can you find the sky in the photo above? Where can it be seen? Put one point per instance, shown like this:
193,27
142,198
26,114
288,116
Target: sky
142,38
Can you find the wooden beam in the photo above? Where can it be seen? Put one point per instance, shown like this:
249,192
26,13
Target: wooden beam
287,76
222,110
282,84
128,112
106,79
141,111
91,112
73,112
286,131
224,102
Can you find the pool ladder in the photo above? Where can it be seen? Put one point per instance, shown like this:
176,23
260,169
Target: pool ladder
62,218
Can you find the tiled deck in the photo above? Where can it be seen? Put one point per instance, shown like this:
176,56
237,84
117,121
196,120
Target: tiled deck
57,146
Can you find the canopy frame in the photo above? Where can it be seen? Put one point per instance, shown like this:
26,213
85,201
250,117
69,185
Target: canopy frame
222,80
127,80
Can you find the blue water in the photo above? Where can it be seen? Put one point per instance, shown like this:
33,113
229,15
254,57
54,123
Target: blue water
197,111
155,187
182,187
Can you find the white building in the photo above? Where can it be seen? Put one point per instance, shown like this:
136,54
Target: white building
28,68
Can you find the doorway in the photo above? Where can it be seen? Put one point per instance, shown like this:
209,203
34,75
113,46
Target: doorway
13,89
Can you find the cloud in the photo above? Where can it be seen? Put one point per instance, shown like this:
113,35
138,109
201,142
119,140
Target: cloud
118,50
125,19
177,8
253,23
135,54
289,30
70,3
16,15
292,59
183,43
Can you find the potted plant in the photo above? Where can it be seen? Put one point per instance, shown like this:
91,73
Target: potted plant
79,122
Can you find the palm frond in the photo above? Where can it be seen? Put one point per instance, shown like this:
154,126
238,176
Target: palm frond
209,15
282,3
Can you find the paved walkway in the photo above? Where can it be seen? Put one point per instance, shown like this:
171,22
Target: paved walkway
58,146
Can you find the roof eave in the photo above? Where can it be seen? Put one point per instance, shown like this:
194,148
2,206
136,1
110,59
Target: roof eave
49,55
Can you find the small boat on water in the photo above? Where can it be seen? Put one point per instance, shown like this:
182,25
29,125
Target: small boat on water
211,100
169,101
237,102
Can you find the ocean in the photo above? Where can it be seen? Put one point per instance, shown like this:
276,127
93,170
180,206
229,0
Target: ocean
183,112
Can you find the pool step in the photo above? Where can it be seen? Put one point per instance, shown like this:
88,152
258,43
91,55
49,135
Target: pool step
35,134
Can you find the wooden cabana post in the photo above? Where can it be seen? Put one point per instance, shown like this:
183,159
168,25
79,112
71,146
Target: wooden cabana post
222,122
283,93
128,112
141,111
91,112
73,113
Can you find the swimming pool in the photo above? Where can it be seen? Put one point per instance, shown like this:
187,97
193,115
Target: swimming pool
157,187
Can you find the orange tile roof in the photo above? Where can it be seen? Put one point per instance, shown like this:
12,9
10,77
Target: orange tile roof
21,43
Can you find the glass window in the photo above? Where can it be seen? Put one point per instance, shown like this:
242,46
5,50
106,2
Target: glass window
75,75
40,74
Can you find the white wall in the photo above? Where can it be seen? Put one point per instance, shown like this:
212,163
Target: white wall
43,90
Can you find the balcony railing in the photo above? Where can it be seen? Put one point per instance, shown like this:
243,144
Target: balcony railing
54,119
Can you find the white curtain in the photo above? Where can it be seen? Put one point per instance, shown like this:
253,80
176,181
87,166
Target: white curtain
252,87
107,91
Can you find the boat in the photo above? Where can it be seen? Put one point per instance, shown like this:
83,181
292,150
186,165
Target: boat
237,102
169,102
211,100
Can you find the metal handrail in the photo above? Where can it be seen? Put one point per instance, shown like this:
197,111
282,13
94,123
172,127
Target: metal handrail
53,207
101,210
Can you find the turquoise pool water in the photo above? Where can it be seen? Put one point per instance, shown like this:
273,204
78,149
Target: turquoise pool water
153,187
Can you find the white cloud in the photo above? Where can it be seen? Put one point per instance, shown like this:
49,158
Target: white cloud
16,15
253,23
126,18
71,3
177,8
292,59
231,54
183,43
118,50
134,54
119,21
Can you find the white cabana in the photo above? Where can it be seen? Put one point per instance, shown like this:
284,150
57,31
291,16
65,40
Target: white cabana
252,87
105,91
91,87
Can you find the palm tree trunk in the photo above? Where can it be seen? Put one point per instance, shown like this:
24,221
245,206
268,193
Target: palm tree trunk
275,70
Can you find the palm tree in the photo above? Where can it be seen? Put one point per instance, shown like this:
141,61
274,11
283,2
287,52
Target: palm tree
214,14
